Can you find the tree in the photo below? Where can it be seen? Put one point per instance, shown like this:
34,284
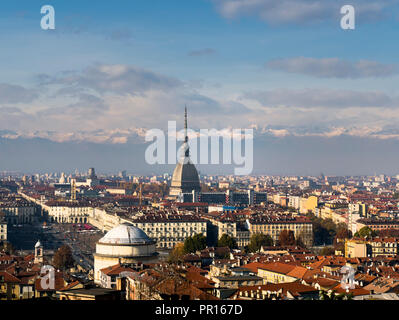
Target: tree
286,238
327,251
342,234
194,243
7,247
324,230
333,296
63,258
227,241
259,240
365,232
177,253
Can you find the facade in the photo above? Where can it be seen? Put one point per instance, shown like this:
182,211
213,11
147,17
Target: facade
302,227
104,220
67,211
294,202
376,247
358,207
17,210
168,230
353,217
378,225
356,249
277,272
109,276
283,291
248,197
3,227
236,281
124,244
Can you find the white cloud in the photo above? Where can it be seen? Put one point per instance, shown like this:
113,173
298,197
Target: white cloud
11,94
299,11
116,79
333,67
322,98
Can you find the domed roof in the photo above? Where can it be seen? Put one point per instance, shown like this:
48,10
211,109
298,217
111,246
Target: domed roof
125,234
185,175
38,244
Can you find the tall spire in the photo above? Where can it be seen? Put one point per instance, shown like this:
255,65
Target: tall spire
187,149
185,125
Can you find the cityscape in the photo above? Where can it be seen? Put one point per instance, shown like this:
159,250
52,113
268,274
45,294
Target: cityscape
182,236
223,151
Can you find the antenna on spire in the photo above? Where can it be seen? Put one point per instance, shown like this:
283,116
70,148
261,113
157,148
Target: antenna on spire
185,124
187,149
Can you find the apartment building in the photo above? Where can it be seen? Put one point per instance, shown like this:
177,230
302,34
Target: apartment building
17,210
301,226
361,248
67,211
3,227
170,229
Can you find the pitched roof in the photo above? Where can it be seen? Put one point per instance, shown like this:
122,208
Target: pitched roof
254,266
58,284
295,288
278,267
9,278
383,285
116,270
299,272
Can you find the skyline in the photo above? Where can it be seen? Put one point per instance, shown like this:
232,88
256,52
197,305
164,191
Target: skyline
321,99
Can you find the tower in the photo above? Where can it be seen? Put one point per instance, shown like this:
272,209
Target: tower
73,189
38,252
185,177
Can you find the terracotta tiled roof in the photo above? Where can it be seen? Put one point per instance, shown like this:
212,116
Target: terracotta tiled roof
382,285
295,288
196,269
357,291
8,278
59,283
254,266
323,282
116,270
300,272
278,267
199,281
71,285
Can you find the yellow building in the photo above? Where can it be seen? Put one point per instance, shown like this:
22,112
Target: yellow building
302,228
308,204
9,286
276,272
355,248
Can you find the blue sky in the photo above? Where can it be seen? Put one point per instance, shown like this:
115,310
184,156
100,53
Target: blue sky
113,69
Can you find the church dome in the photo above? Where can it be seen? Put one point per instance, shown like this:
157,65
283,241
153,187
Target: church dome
125,234
185,176
38,244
